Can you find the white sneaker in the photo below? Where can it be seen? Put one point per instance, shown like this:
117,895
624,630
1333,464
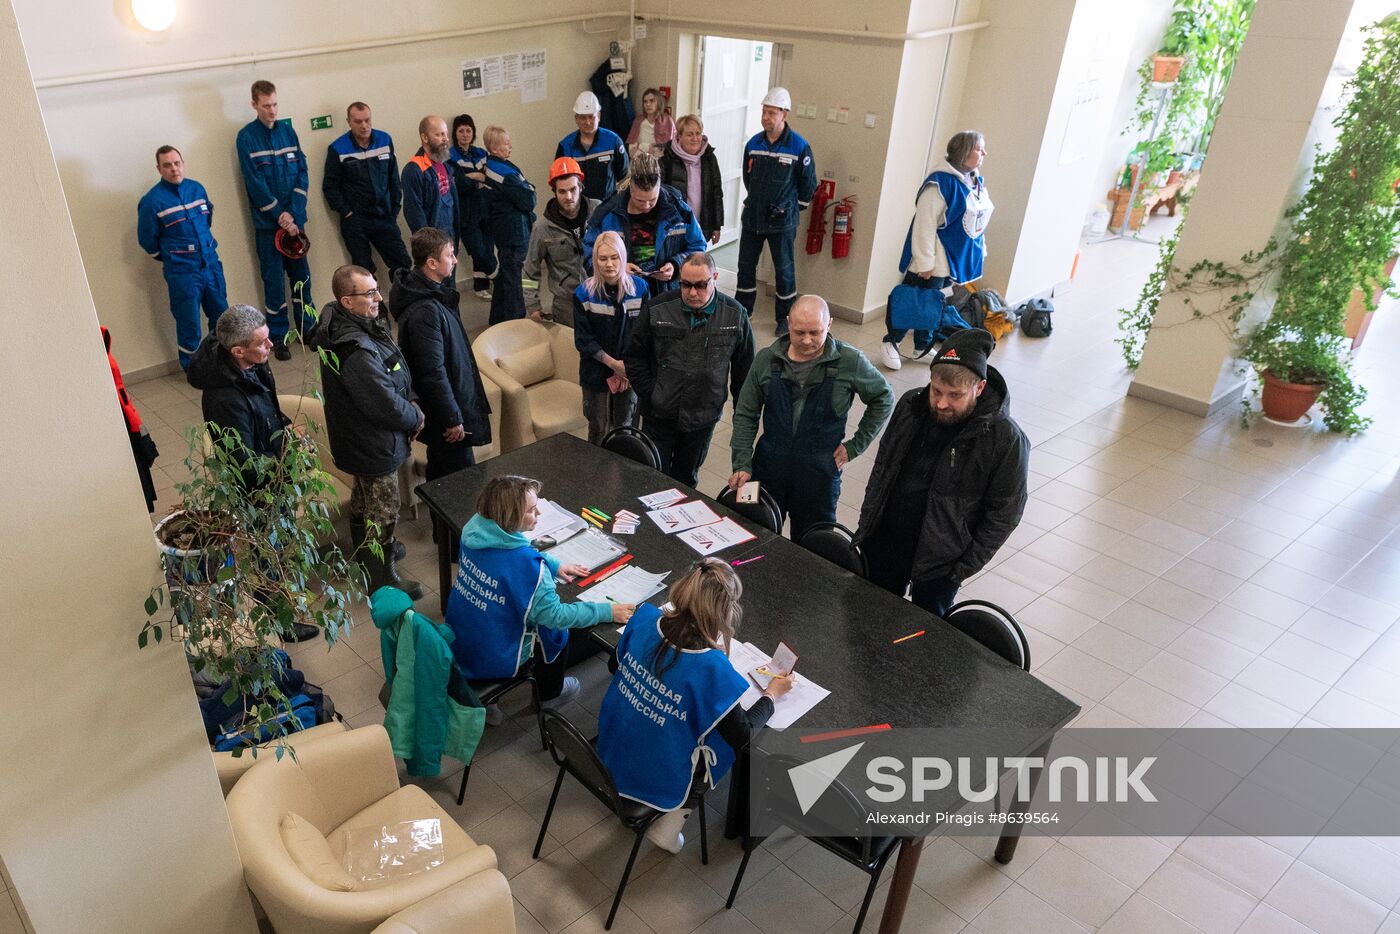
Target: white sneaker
889,356
665,831
494,715
569,692
483,293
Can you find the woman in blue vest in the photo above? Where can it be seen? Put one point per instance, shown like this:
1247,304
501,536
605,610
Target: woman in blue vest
671,724
946,241
503,608
606,306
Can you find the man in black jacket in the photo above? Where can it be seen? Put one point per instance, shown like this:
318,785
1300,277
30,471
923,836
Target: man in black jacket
372,415
439,356
949,482
686,347
238,391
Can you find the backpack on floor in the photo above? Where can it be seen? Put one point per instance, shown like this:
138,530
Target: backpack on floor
980,304
1035,317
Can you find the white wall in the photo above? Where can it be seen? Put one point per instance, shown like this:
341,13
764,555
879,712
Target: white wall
111,818
863,75
105,134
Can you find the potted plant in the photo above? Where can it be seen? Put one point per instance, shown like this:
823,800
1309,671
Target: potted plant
1166,68
1344,231
244,563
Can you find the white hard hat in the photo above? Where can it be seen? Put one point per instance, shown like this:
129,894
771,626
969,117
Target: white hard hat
587,103
778,97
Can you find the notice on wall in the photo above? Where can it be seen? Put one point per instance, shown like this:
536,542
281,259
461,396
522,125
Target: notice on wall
526,72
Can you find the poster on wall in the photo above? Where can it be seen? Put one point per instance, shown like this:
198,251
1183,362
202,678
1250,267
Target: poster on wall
526,72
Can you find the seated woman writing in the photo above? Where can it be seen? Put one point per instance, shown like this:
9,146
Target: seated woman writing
671,723
503,608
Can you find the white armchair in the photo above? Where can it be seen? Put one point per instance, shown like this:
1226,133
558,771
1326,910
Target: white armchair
293,819
536,368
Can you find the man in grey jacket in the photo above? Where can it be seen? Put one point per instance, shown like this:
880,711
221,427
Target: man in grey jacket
556,244
372,416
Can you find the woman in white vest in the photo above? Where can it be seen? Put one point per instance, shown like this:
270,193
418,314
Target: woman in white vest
671,724
503,608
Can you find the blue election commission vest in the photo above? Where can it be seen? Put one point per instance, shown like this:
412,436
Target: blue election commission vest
172,224
652,731
488,606
963,229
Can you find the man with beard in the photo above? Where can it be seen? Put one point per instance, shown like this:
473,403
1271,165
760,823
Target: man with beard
556,243
949,482
429,191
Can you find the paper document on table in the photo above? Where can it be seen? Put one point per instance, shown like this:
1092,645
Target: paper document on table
682,517
629,585
556,523
664,498
805,694
590,548
708,539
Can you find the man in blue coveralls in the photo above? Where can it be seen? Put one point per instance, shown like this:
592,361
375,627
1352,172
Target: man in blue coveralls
780,178
600,152
173,222
274,172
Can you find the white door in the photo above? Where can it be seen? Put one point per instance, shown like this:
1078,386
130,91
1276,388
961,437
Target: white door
733,79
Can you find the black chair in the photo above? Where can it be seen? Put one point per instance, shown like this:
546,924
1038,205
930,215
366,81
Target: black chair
994,627
631,443
579,757
836,543
869,854
765,512
492,691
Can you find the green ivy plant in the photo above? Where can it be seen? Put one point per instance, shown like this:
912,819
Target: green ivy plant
256,525
1343,231
1208,35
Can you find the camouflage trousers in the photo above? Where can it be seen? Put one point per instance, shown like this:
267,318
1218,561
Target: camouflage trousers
376,499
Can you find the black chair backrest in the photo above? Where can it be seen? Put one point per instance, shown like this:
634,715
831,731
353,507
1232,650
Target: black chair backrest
994,627
836,543
765,512
837,807
631,443
571,750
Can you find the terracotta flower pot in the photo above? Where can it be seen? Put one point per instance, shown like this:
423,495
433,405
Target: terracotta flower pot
1287,402
1165,68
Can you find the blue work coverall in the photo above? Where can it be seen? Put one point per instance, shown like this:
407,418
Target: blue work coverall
274,172
173,225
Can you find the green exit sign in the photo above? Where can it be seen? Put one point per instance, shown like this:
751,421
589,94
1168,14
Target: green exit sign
321,123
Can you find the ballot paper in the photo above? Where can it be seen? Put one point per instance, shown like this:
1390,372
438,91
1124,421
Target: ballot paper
590,548
805,694
682,517
555,524
662,499
625,523
708,539
629,585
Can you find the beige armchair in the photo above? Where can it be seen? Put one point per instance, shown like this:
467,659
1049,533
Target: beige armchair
231,768
536,368
415,470
292,820
309,412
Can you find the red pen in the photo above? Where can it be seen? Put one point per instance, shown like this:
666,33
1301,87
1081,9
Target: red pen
599,575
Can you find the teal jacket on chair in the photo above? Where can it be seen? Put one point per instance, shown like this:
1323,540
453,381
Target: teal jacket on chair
432,709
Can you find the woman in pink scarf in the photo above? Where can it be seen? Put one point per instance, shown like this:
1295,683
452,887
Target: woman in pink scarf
688,164
653,128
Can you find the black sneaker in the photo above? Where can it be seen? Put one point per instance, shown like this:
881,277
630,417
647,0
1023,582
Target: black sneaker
281,351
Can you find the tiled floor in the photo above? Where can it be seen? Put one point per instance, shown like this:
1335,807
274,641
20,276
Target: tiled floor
1169,570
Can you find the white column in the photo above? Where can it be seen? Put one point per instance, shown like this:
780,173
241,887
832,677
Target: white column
112,816
1259,157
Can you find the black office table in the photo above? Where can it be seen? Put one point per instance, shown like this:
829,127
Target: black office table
841,624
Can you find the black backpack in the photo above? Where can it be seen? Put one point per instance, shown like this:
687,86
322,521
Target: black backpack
980,304
1035,317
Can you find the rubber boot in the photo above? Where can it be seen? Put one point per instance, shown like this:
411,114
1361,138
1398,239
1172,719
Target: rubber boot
391,570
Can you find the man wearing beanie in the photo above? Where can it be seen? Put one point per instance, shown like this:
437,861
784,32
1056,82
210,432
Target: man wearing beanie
949,482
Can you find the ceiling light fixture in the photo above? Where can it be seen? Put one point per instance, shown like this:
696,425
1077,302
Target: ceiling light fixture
155,15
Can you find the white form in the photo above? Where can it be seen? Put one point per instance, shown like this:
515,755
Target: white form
590,548
805,694
629,585
664,498
682,517
716,536
556,522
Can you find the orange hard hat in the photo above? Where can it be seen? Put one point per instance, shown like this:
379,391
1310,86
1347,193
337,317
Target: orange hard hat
563,167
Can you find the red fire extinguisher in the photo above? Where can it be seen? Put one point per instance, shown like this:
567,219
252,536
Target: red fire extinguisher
841,228
816,228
